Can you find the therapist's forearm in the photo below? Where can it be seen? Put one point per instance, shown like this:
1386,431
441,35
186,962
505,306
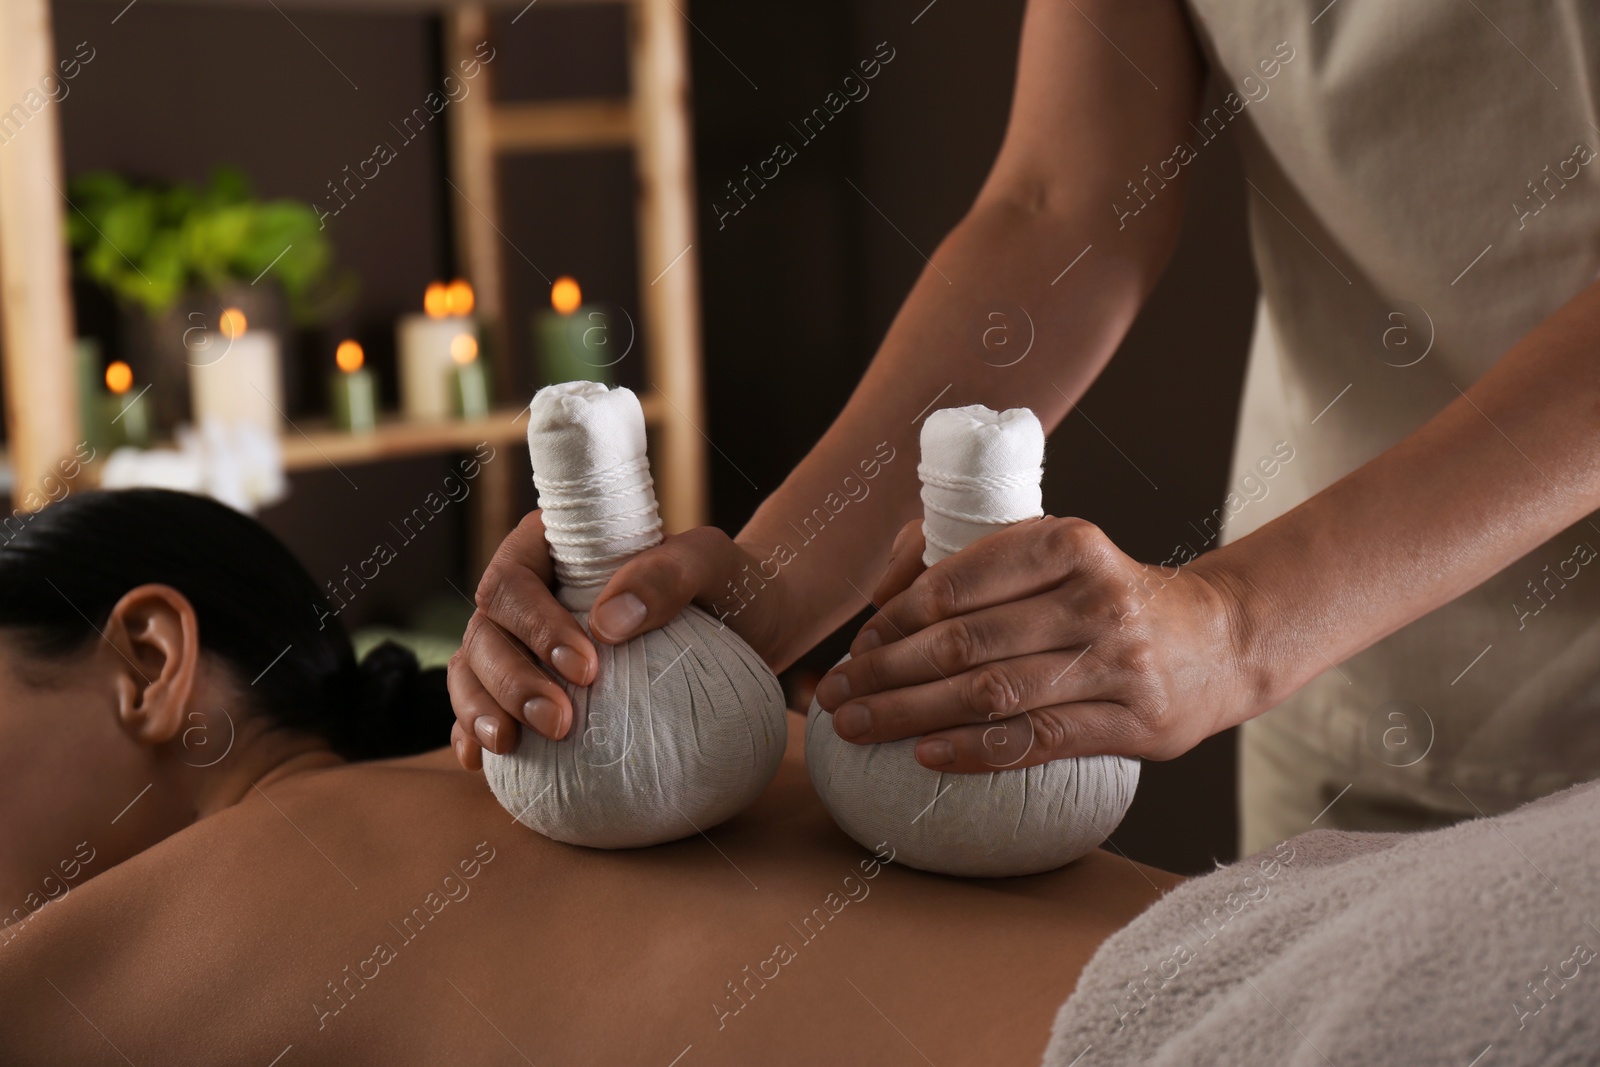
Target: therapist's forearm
1086,126
1508,465
1001,258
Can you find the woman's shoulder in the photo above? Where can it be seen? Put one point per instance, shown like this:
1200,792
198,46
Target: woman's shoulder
247,901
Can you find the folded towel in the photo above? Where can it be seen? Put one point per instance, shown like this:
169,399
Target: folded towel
237,463
1352,949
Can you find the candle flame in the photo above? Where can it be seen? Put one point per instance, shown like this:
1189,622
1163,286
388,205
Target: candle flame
119,377
233,323
349,356
458,298
565,296
463,348
436,300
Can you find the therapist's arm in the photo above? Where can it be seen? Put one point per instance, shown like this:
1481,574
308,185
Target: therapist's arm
1104,90
1132,659
1509,464
1085,122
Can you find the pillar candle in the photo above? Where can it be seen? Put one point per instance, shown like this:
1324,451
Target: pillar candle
244,384
424,341
469,385
91,395
572,338
124,415
353,391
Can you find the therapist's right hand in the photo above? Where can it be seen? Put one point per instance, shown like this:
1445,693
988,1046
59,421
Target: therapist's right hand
521,645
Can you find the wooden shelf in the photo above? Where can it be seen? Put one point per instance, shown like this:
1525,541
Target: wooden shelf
566,126
316,446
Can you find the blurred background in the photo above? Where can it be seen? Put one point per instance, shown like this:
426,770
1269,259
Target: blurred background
795,291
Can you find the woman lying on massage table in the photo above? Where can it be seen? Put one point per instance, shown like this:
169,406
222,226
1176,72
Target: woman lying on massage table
180,730
223,887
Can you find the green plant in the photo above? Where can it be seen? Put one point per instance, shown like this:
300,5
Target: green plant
149,243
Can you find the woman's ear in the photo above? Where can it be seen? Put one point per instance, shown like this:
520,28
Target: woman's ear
157,637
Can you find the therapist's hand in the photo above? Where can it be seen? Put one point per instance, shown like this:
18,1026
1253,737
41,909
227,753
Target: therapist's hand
521,645
1040,642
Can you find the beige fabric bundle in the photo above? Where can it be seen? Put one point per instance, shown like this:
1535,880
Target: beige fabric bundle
980,473
684,725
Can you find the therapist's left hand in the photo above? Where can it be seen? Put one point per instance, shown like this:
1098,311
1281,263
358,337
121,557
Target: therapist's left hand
1041,642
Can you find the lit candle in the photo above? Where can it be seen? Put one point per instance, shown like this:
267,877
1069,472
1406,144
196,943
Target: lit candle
127,416
425,343
353,390
572,338
91,393
469,385
244,384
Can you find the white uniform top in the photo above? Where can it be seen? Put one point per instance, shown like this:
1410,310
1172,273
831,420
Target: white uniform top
1423,192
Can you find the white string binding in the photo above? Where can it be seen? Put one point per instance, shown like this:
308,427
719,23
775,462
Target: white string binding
572,530
943,479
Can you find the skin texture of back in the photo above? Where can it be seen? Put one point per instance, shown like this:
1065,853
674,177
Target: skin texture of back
392,912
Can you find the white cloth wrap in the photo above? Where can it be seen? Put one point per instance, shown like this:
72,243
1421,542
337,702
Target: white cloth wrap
980,472
684,726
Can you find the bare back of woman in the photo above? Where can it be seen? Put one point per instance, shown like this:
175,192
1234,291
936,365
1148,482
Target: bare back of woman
392,912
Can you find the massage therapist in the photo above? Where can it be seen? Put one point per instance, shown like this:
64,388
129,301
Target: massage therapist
1407,625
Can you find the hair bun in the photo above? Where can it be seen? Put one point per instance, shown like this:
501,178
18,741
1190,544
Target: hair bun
398,706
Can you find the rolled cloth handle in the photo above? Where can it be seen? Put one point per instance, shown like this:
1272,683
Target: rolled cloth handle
592,471
980,473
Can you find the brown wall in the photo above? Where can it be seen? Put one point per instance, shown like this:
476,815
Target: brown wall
798,288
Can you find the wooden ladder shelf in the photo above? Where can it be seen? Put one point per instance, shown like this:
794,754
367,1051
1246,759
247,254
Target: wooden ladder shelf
36,331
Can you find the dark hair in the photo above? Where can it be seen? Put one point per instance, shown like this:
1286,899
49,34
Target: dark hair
259,612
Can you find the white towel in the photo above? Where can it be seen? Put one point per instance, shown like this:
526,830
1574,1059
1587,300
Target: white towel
237,463
1474,944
